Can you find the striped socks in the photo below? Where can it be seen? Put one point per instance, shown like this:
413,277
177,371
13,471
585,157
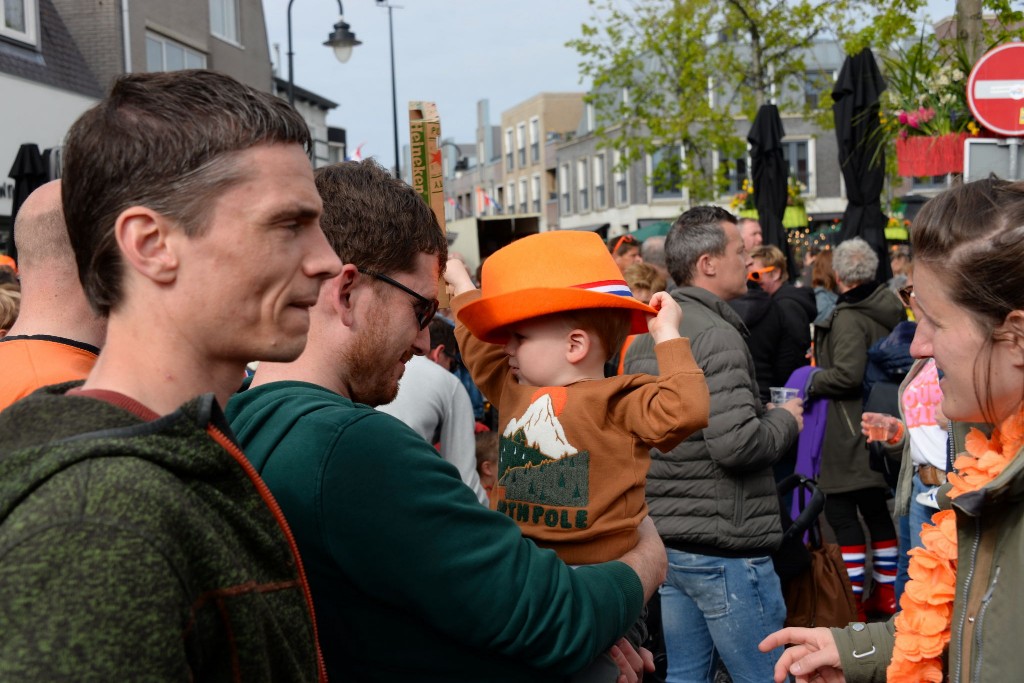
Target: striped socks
853,557
883,561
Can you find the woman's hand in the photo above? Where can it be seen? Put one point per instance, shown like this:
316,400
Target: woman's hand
813,656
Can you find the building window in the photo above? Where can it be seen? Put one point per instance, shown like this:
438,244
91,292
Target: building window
582,178
508,150
667,173
599,199
534,140
523,198
19,20
588,112
816,84
619,178
224,19
736,171
935,182
164,54
521,143
563,189
511,198
798,158
535,194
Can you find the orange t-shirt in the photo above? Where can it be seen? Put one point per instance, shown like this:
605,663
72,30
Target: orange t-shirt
30,362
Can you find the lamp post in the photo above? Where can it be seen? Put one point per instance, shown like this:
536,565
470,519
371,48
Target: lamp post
394,98
341,39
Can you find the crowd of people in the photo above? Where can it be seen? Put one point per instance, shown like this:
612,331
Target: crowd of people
346,511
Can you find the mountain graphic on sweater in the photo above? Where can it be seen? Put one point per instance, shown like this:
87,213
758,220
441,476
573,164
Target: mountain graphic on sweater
541,429
536,462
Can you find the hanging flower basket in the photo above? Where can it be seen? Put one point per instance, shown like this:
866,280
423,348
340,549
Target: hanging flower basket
920,156
795,217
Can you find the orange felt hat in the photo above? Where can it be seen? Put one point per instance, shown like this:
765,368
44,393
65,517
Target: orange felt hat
550,272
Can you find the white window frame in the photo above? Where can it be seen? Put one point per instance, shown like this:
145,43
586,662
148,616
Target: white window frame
564,190
812,175
30,10
228,11
664,196
720,158
521,144
535,140
536,193
600,186
510,197
582,185
619,177
524,196
509,151
164,42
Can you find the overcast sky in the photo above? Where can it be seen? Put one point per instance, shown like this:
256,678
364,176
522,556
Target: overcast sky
452,52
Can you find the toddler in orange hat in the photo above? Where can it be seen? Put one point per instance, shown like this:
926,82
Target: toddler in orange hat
574,446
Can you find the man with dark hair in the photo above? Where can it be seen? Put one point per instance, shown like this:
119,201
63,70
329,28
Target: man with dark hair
57,335
713,496
413,579
432,401
138,542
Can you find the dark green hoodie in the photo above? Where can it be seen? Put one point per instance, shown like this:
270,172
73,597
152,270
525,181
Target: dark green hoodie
141,550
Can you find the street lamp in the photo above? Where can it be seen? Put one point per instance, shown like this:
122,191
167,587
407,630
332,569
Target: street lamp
341,39
394,98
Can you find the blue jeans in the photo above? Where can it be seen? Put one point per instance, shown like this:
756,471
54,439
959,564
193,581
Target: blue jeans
910,533
720,607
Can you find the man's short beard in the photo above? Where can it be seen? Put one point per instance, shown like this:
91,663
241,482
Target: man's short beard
369,374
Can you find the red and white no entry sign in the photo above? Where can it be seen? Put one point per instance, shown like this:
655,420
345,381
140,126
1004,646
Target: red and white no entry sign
995,90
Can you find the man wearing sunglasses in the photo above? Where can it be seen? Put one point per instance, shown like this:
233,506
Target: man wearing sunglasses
412,579
625,249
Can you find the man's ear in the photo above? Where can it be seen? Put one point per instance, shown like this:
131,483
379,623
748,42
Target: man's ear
706,265
146,240
435,353
578,344
489,468
341,290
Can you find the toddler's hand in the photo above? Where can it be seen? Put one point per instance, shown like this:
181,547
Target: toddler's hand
664,325
456,275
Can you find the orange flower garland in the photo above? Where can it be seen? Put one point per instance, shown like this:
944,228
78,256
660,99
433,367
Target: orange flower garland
923,625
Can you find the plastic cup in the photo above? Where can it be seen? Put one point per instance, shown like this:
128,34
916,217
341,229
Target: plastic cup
878,429
782,394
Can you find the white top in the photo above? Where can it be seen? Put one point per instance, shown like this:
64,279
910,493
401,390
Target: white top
921,400
432,400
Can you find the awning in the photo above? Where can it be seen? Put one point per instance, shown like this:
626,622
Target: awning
597,227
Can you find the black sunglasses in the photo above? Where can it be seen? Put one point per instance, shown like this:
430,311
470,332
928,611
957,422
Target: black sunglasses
423,307
906,295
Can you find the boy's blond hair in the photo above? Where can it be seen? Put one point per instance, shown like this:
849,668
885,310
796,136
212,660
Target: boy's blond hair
10,303
608,326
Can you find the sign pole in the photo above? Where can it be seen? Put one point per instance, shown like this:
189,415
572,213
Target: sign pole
426,170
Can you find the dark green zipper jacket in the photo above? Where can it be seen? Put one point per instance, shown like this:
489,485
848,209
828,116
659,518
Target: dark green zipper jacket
134,550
